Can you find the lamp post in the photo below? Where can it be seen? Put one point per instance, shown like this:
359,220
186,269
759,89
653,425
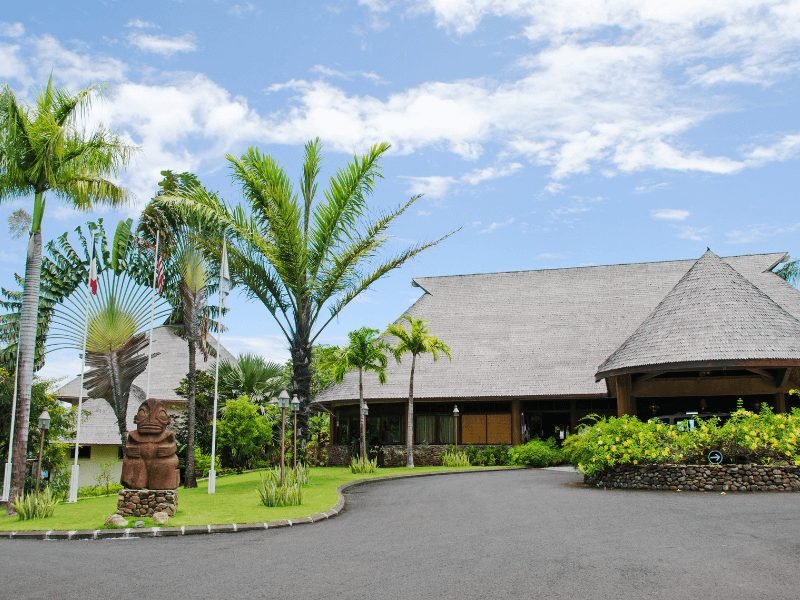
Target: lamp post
44,425
295,410
283,404
455,423
364,414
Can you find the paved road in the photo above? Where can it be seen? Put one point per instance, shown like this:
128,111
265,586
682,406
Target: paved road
520,534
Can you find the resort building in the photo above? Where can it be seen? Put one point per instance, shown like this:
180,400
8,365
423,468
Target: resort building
536,351
100,442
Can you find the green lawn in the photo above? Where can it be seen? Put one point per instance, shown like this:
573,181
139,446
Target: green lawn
236,501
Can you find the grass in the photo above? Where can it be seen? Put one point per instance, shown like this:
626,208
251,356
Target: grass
236,501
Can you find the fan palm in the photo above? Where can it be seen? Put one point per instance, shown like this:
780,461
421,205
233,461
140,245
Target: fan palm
365,352
253,376
303,258
415,340
44,150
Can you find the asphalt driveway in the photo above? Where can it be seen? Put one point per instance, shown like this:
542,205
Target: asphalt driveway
515,534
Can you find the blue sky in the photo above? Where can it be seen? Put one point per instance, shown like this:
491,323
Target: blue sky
556,134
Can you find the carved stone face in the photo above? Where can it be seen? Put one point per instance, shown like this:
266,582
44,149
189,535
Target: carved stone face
152,417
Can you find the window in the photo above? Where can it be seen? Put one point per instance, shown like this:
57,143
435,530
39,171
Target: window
83,452
384,425
434,429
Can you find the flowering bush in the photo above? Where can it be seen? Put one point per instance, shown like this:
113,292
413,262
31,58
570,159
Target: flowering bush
763,437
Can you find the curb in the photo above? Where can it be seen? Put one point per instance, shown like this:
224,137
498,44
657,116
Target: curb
183,530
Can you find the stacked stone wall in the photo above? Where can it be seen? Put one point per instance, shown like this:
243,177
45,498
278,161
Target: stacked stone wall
143,503
392,456
700,478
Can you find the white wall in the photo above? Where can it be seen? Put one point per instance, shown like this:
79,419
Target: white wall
90,467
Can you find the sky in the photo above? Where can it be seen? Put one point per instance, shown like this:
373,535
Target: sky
553,133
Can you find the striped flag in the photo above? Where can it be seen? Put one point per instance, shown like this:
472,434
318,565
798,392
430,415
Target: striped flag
160,275
93,276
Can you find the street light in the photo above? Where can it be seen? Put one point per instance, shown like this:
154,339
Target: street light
44,425
283,403
364,413
295,410
455,423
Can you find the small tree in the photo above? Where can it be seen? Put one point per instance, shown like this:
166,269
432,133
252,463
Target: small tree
365,352
244,431
414,341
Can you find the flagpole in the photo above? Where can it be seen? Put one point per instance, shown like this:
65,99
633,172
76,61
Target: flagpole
7,474
223,268
74,476
152,315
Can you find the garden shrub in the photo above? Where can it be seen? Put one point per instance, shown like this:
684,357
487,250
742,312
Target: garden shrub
92,491
746,437
202,462
273,494
488,455
244,432
35,506
454,457
536,453
362,464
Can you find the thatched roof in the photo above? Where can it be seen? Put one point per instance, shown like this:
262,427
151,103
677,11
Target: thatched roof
712,317
543,333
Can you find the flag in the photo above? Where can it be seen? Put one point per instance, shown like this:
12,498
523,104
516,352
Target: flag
160,275
224,274
93,276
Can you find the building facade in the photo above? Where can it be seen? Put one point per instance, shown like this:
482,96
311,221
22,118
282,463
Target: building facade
534,352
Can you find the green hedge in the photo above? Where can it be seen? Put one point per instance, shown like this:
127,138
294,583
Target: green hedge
746,437
536,453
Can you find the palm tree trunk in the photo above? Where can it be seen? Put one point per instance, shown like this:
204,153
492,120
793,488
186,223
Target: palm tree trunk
27,348
301,380
410,422
190,477
120,399
363,419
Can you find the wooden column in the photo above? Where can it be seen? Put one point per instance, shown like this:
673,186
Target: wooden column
780,403
626,403
516,422
573,416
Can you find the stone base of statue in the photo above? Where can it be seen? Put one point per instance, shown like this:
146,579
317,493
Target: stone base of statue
143,503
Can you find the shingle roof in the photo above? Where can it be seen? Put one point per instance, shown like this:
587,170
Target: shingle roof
713,315
540,333
169,367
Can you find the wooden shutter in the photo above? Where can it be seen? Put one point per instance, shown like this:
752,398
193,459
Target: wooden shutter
473,429
498,429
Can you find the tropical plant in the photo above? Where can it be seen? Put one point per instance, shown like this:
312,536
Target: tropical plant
272,493
790,271
252,375
453,457
35,506
365,352
45,149
304,259
415,340
244,432
319,436
363,464
536,453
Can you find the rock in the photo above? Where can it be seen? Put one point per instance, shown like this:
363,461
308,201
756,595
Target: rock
138,524
160,518
117,520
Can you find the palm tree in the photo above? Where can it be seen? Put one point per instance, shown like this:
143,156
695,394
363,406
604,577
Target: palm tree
304,259
365,352
253,376
790,271
43,149
414,341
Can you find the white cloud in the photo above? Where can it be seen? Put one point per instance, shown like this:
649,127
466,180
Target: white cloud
12,30
646,188
432,186
786,148
75,69
669,214
141,24
696,234
163,44
330,72
757,232
271,347
11,64
494,226
242,9
480,175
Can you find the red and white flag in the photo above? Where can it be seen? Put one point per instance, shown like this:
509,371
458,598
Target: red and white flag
93,276
160,275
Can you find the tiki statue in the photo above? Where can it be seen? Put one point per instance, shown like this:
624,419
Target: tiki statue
150,461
